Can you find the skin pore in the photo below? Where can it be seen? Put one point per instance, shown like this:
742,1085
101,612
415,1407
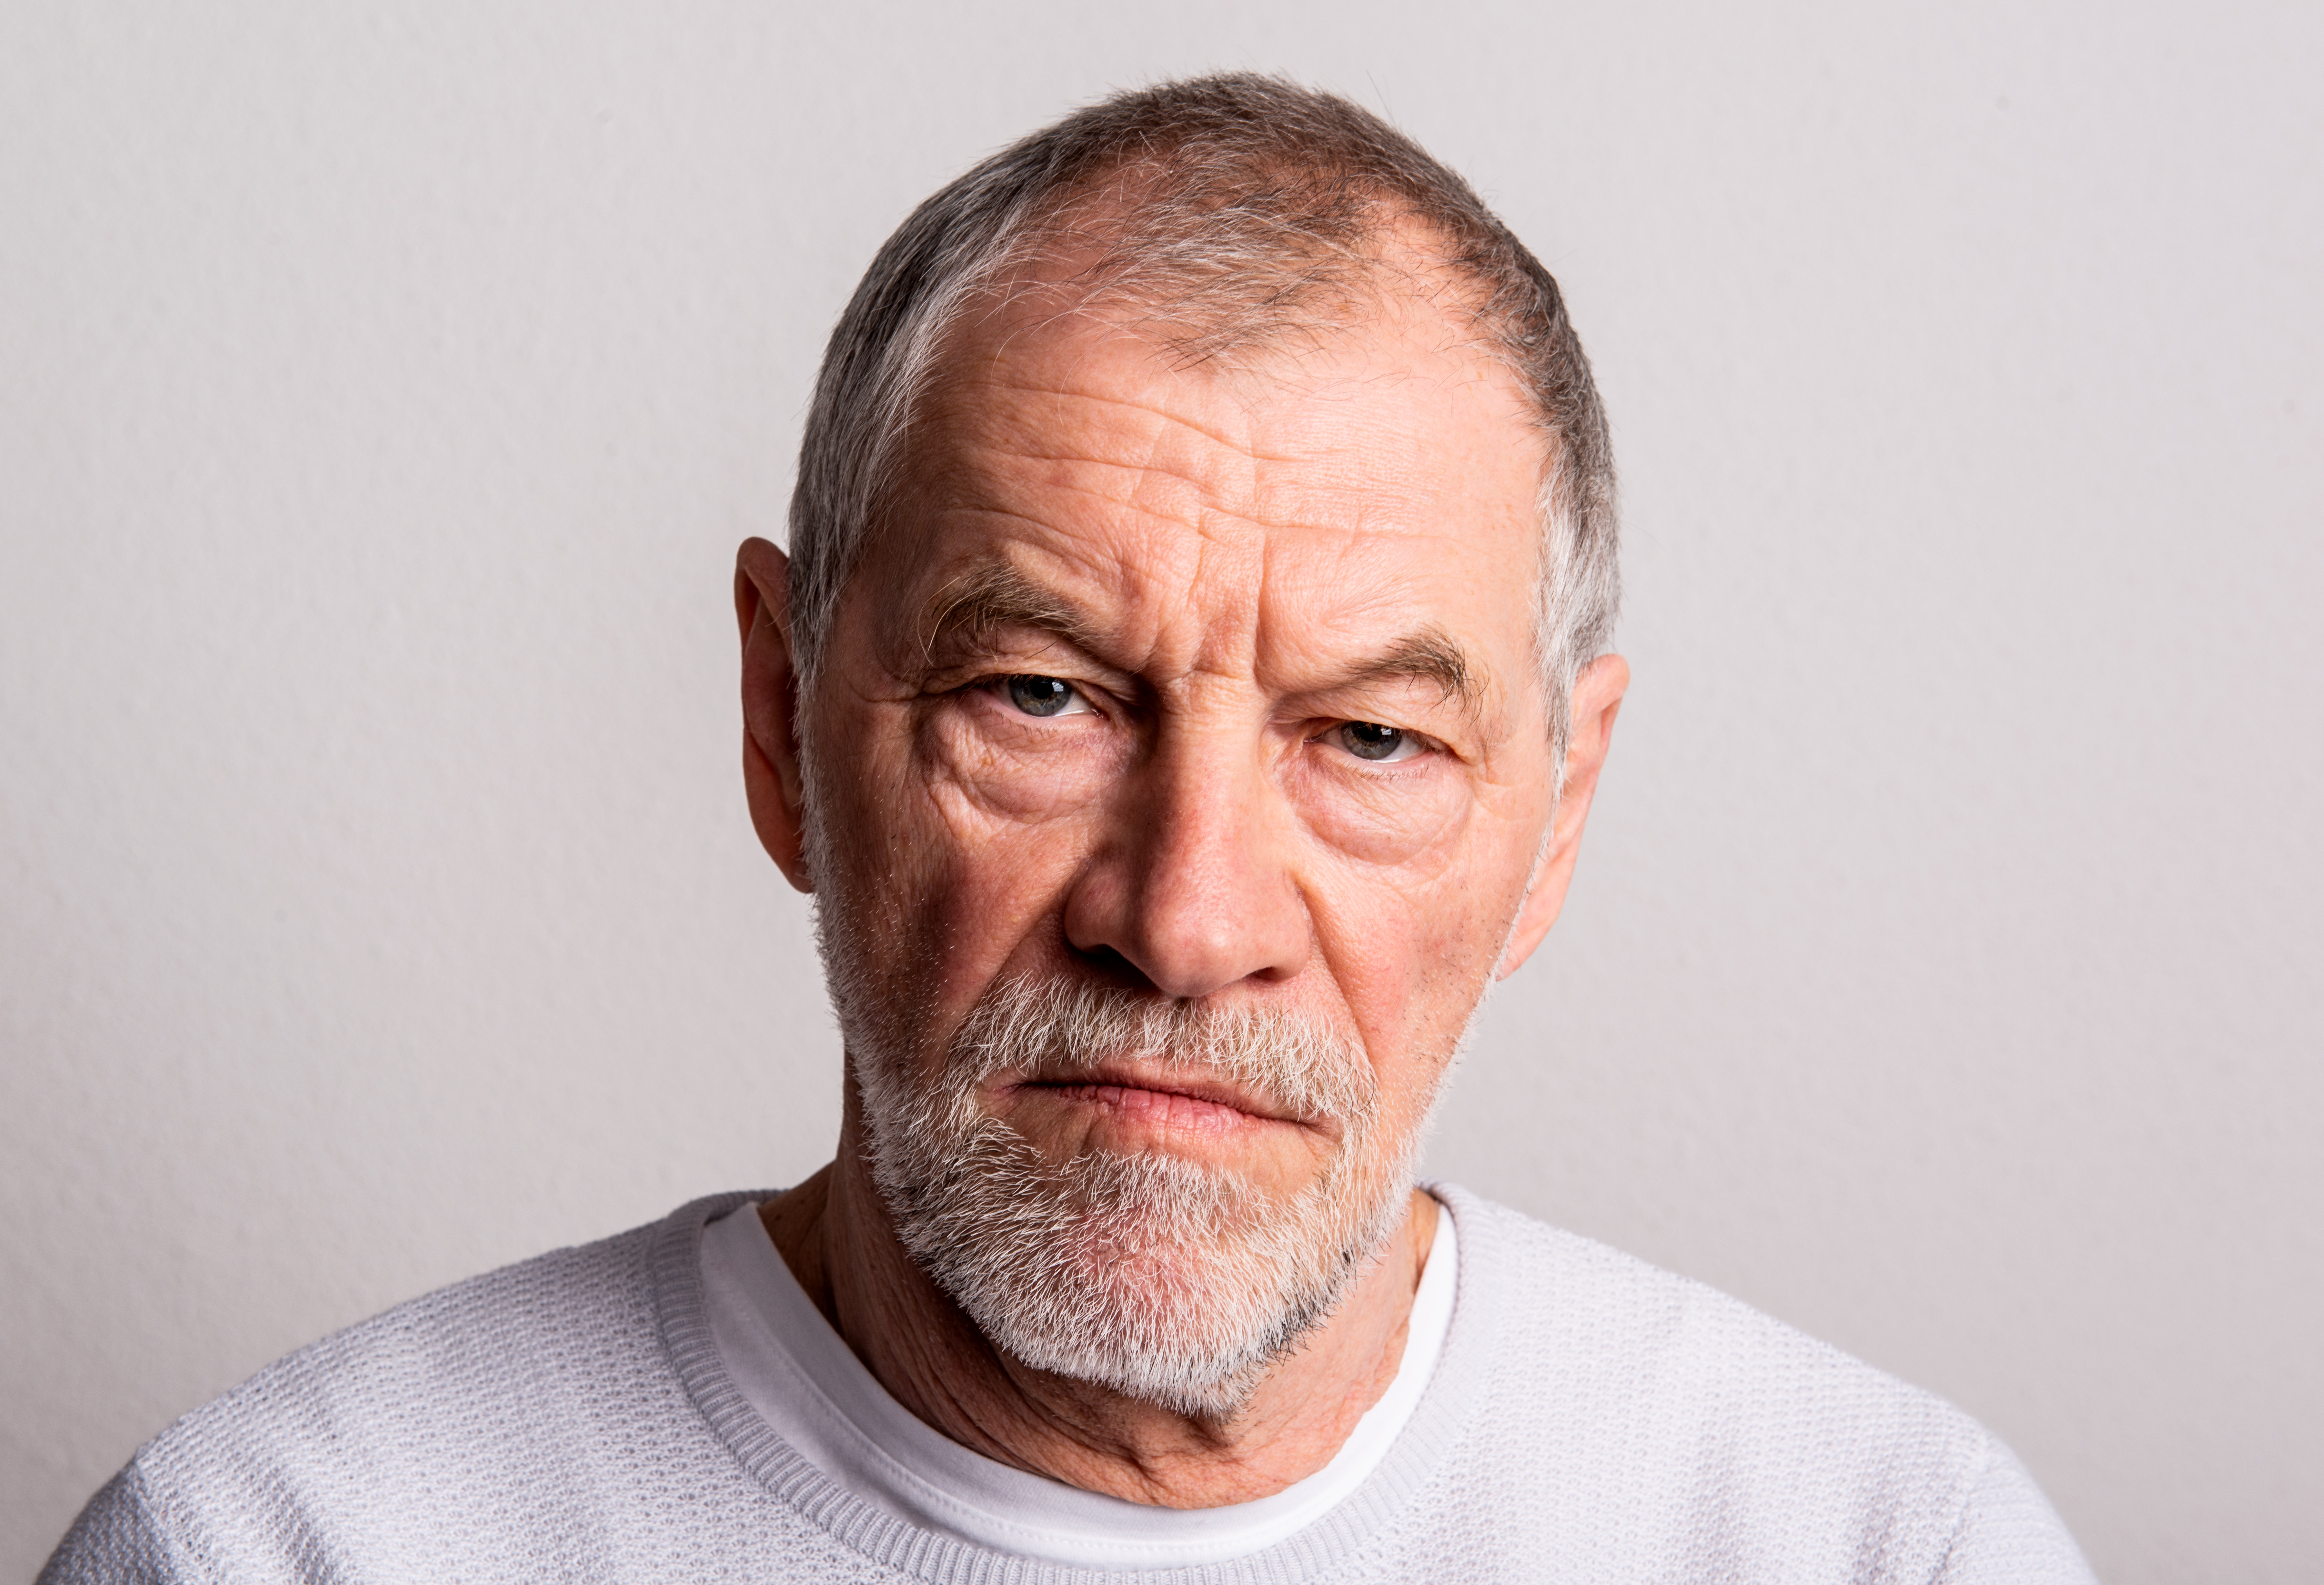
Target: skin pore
1213,683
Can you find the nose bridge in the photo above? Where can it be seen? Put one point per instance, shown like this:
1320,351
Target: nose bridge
1206,897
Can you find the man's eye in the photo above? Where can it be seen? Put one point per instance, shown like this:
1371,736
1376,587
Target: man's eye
1045,696
1370,740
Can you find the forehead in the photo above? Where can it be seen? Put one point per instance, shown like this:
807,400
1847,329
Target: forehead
1336,481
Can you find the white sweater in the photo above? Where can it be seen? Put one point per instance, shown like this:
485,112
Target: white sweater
1590,1419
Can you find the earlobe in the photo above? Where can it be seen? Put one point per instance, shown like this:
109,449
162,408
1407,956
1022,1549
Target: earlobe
1544,902
1597,699
771,771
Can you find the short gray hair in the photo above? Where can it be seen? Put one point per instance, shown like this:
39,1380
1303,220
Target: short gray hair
1235,209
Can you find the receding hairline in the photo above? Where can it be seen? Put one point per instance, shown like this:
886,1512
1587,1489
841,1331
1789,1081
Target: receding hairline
1079,256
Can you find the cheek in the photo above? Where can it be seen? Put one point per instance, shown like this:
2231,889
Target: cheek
973,832
1411,962
1412,944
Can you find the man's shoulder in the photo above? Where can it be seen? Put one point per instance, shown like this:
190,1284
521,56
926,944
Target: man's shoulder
1610,1314
1627,1387
436,1415
510,1331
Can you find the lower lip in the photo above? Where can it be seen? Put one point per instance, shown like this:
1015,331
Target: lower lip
1156,1108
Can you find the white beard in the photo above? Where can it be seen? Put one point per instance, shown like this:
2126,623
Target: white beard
1172,1282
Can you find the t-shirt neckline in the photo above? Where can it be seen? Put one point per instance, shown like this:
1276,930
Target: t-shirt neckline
811,1390
1324,1550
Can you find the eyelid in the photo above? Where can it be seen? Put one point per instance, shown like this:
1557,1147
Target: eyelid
1094,698
1422,742
987,656
989,670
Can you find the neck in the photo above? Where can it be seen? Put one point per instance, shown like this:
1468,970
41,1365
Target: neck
835,1234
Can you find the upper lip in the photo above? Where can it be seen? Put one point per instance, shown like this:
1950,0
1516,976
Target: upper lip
1134,1075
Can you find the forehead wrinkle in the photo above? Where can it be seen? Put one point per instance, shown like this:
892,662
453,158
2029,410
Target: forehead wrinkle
1121,530
1070,504
1155,409
1178,518
1142,470
1084,478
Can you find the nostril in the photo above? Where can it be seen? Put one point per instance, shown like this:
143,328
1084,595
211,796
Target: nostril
1109,965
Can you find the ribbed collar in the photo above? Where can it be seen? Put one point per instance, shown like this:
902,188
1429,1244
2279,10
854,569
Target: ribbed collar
1313,1554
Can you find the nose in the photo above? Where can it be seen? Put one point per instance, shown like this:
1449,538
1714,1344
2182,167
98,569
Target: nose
1192,885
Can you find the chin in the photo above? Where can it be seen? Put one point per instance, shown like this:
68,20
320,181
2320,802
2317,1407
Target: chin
1163,1273
1169,1281
1147,1275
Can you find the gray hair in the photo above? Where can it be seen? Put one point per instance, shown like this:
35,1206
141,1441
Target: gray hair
1232,210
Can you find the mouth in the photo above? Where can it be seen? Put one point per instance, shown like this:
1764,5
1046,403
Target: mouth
1173,1103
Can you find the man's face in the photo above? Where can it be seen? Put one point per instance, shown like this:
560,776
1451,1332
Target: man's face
1202,691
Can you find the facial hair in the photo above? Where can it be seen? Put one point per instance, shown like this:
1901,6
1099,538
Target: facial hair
1168,1280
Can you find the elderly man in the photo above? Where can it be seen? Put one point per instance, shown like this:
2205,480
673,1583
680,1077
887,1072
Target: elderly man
1184,696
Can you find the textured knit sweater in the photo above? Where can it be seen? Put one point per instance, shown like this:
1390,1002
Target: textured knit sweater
1590,1419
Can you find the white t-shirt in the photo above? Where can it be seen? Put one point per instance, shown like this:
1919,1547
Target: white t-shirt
810,1387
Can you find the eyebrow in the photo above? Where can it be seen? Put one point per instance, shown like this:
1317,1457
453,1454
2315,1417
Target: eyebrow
1429,655
994,595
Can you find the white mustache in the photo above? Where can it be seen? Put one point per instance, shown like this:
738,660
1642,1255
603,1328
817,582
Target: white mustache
1294,1063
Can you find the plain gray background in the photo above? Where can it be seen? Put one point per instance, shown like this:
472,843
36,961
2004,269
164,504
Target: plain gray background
385,388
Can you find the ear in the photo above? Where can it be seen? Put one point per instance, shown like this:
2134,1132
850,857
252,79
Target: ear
770,707
1597,700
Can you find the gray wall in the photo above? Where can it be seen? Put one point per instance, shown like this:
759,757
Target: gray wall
386,386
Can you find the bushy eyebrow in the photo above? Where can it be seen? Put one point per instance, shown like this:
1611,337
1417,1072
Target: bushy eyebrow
1428,655
994,595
